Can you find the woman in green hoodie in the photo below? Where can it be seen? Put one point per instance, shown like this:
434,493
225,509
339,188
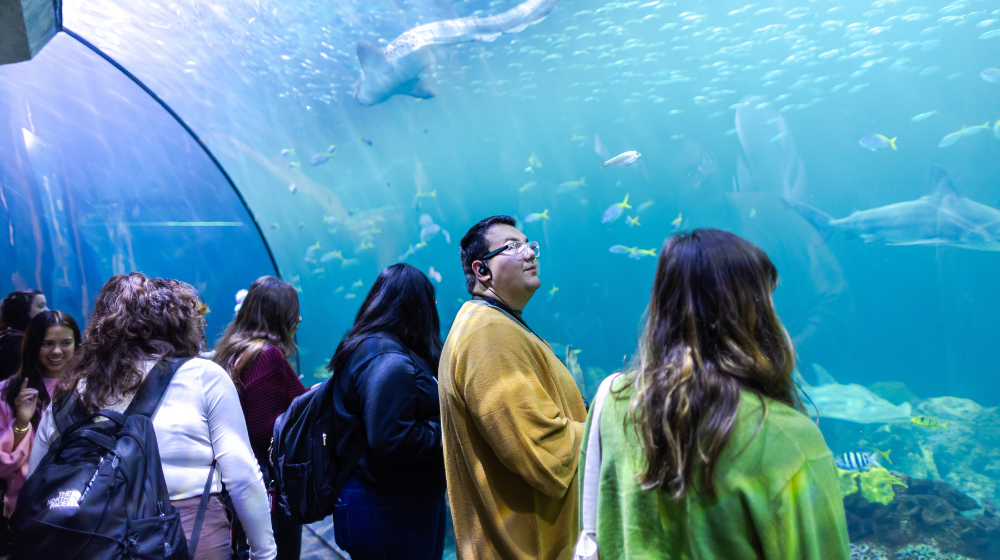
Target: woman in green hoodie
705,454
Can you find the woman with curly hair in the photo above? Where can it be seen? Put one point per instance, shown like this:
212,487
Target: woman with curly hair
254,350
704,452
138,320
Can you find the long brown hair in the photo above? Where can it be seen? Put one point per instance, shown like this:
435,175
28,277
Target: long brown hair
269,315
711,329
31,366
135,317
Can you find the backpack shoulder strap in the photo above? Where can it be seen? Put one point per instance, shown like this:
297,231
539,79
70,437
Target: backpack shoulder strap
151,391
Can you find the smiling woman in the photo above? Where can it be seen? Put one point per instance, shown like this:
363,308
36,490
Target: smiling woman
50,342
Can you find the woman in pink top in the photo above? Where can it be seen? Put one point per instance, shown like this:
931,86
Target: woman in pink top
50,341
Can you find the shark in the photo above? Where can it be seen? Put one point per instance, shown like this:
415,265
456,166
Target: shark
941,217
852,402
397,69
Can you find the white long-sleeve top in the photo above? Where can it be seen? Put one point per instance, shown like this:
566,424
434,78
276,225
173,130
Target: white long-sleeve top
198,420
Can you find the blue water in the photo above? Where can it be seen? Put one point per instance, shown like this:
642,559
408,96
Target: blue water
786,88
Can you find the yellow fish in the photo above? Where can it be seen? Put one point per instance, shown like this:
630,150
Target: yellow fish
339,289
533,163
884,454
675,224
552,293
350,296
929,423
632,222
577,138
357,284
646,252
536,216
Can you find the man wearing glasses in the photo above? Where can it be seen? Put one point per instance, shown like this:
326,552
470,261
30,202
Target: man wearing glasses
511,415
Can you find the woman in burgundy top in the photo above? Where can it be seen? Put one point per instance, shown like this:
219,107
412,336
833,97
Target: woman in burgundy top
254,350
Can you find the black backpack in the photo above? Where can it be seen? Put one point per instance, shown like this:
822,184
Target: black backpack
307,476
99,492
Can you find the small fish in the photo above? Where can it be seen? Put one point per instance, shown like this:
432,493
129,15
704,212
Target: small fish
857,461
675,224
991,75
632,221
551,293
331,149
950,139
623,159
527,186
435,275
644,206
294,164
339,289
927,422
996,130
365,140
622,250
330,219
990,34
571,185
534,217
577,138
923,116
318,271
319,159
292,188
350,296
275,225
876,141
347,263
753,212
411,250
311,252
615,211
639,253
533,163
357,284
288,152
331,255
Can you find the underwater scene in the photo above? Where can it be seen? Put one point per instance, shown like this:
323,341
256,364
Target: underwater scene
856,142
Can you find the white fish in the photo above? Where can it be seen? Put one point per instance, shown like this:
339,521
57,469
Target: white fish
624,159
428,229
923,116
435,275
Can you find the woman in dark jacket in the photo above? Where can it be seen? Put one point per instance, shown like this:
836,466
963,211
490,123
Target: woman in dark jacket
386,397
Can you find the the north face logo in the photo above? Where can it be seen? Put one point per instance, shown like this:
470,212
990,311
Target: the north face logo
66,498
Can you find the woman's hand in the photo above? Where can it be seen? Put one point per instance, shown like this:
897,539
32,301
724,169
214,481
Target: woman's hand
25,405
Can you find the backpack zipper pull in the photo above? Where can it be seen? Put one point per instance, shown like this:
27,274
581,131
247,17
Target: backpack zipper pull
324,440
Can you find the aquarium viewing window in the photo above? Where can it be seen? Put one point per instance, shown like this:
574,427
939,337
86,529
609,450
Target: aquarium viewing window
857,143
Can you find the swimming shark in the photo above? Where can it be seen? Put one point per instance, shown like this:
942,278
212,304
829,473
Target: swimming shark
941,217
852,402
397,69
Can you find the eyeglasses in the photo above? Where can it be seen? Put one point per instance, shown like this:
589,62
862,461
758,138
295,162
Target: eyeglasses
515,248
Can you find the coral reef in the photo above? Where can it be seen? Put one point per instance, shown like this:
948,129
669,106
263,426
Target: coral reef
966,454
920,512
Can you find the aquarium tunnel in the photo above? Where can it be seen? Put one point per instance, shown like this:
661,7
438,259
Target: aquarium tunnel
857,142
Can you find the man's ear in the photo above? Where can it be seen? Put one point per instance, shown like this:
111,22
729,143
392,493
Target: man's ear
482,271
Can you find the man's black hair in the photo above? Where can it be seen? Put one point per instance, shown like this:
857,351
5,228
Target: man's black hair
474,245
